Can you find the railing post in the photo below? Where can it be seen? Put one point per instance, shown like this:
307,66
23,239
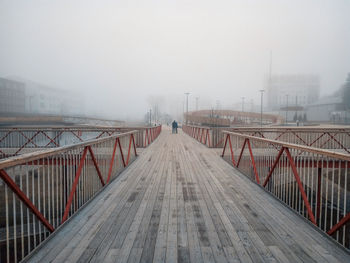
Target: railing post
111,163
253,162
318,200
12,185
301,187
273,166
74,186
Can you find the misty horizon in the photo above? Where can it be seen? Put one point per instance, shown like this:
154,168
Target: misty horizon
122,57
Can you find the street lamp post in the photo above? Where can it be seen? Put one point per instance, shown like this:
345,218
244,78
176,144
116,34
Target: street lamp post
261,109
243,107
287,109
150,117
187,93
243,104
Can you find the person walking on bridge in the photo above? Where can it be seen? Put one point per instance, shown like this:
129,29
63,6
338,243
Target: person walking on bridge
176,126
173,126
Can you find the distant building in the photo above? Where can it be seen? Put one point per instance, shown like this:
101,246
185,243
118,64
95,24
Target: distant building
12,97
327,109
18,96
292,90
42,99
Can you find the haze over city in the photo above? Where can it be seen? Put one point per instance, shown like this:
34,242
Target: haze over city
122,55
174,131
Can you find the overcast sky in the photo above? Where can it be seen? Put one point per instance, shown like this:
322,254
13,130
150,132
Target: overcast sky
125,54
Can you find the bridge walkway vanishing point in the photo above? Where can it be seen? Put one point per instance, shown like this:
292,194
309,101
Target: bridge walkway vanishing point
180,202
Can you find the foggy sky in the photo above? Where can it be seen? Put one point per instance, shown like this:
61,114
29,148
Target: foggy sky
122,55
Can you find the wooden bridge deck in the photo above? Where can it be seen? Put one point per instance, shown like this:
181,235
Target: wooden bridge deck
180,202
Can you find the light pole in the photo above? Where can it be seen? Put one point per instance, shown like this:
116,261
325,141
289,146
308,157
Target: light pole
286,108
261,109
243,107
187,93
243,104
150,117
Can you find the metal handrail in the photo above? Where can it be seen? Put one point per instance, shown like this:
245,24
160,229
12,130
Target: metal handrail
311,181
27,157
333,154
41,190
325,138
18,140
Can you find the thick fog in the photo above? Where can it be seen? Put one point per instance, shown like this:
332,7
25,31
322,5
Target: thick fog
124,56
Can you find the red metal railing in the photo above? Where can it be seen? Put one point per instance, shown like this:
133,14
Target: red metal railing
325,138
39,191
201,134
19,140
150,134
312,181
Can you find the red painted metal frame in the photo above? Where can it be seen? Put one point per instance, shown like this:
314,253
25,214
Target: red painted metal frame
341,223
273,166
341,145
74,186
201,134
10,183
301,187
51,140
151,134
247,142
208,138
29,140
112,161
133,142
121,152
291,163
5,136
47,160
81,163
240,155
96,165
253,162
228,138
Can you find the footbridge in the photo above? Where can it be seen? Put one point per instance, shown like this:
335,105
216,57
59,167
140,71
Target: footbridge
146,195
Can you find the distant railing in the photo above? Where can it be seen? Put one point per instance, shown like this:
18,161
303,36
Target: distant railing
39,191
314,182
325,138
201,134
19,140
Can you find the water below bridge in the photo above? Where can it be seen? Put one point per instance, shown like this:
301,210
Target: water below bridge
180,202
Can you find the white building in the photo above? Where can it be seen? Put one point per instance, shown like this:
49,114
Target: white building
12,97
292,90
45,100
327,109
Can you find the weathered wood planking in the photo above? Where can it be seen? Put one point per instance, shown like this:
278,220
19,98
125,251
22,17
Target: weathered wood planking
180,202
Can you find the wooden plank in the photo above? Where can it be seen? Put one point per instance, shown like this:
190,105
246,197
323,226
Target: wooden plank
235,240
194,248
278,254
160,246
134,231
148,245
83,221
296,242
182,240
179,201
201,193
171,252
93,239
297,249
